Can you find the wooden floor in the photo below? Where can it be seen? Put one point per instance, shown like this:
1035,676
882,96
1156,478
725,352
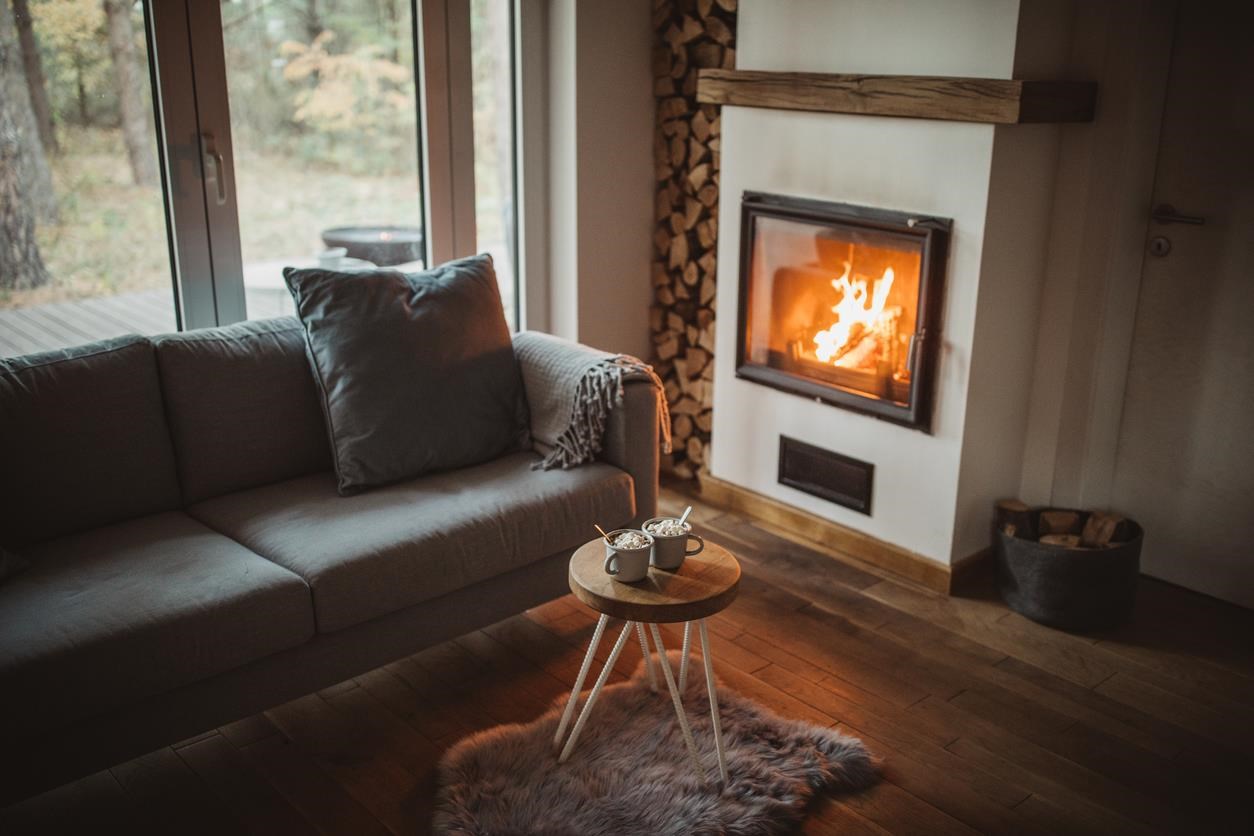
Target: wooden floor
985,721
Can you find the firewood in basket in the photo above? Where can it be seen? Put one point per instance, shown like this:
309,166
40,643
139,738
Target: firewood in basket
1014,517
1070,541
1059,522
1100,529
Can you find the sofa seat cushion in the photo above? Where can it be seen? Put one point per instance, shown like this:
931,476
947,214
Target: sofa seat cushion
136,609
371,554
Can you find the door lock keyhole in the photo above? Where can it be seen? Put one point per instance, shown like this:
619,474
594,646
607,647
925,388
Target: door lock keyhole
1159,245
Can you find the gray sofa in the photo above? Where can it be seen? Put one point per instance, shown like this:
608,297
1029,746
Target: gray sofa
191,562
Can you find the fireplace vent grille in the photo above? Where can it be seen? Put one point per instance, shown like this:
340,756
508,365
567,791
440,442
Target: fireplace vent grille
827,475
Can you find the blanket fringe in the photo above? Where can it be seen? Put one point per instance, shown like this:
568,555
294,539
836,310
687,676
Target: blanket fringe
598,392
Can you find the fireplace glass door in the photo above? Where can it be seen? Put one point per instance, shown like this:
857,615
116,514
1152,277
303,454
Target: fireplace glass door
837,303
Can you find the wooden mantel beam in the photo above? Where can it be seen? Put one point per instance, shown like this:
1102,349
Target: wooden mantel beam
988,100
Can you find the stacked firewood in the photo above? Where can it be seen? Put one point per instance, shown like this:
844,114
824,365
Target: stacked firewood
691,35
1061,527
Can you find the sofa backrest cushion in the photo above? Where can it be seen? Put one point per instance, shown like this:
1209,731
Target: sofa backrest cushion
83,440
242,406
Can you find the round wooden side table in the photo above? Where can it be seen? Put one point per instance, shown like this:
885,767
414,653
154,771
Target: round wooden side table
704,585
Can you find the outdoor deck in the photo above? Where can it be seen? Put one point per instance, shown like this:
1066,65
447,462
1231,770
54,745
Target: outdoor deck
64,324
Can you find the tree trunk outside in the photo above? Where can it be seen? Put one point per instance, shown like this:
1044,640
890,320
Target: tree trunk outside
312,22
26,154
84,117
20,263
35,76
136,127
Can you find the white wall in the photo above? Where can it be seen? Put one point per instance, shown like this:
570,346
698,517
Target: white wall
932,492
600,184
937,168
1012,278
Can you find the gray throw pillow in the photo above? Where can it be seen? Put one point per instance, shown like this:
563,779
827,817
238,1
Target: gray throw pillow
416,371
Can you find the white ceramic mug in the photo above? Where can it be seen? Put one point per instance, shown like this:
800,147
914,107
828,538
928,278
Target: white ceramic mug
628,565
669,552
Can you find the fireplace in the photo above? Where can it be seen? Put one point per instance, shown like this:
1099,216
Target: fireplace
842,304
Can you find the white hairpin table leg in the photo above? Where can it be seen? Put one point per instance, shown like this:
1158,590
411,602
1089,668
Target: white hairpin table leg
583,673
648,657
679,706
683,658
709,684
596,691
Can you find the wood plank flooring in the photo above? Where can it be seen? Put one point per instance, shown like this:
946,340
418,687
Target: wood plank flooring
986,722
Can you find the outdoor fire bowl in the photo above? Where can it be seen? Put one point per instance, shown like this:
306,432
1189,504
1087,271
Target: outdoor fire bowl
383,245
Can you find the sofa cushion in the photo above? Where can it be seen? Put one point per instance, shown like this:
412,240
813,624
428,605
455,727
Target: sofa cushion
134,609
371,554
242,406
84,440
416,371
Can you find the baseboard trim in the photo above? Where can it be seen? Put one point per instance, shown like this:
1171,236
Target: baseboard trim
894,559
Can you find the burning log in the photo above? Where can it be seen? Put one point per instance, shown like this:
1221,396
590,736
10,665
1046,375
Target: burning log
861,355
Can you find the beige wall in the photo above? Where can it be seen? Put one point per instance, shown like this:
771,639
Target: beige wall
1097,237
1012,279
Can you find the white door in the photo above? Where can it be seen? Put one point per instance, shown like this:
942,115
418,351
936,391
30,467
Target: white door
1185,463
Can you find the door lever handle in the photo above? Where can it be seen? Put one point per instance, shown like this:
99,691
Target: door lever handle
215,183
1165,213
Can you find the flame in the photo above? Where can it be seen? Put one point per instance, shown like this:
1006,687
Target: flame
858,306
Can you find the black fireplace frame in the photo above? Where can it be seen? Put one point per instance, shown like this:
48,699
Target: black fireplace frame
933,234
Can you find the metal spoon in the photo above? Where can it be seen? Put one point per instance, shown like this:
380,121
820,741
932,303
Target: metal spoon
684,518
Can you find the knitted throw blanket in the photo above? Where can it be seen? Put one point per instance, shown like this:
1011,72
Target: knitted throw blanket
571,390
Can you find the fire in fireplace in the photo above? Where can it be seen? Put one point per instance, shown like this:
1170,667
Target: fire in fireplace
842,303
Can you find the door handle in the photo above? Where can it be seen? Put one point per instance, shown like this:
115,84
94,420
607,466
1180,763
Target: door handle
1165,213
215,184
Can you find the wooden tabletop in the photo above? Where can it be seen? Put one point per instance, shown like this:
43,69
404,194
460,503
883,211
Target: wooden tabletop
705,584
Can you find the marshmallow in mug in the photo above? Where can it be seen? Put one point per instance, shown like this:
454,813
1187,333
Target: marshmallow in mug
630,540
668,528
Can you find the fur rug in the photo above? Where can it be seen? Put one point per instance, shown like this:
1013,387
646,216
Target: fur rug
630,772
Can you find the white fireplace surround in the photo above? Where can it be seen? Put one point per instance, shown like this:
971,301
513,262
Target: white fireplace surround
1000,404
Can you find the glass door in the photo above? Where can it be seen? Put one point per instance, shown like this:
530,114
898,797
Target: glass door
161,163
355,135
324,129
84,232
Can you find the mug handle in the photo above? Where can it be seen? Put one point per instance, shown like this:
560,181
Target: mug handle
700,546
608,560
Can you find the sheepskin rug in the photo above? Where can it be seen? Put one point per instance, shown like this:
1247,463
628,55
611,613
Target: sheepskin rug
630,772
